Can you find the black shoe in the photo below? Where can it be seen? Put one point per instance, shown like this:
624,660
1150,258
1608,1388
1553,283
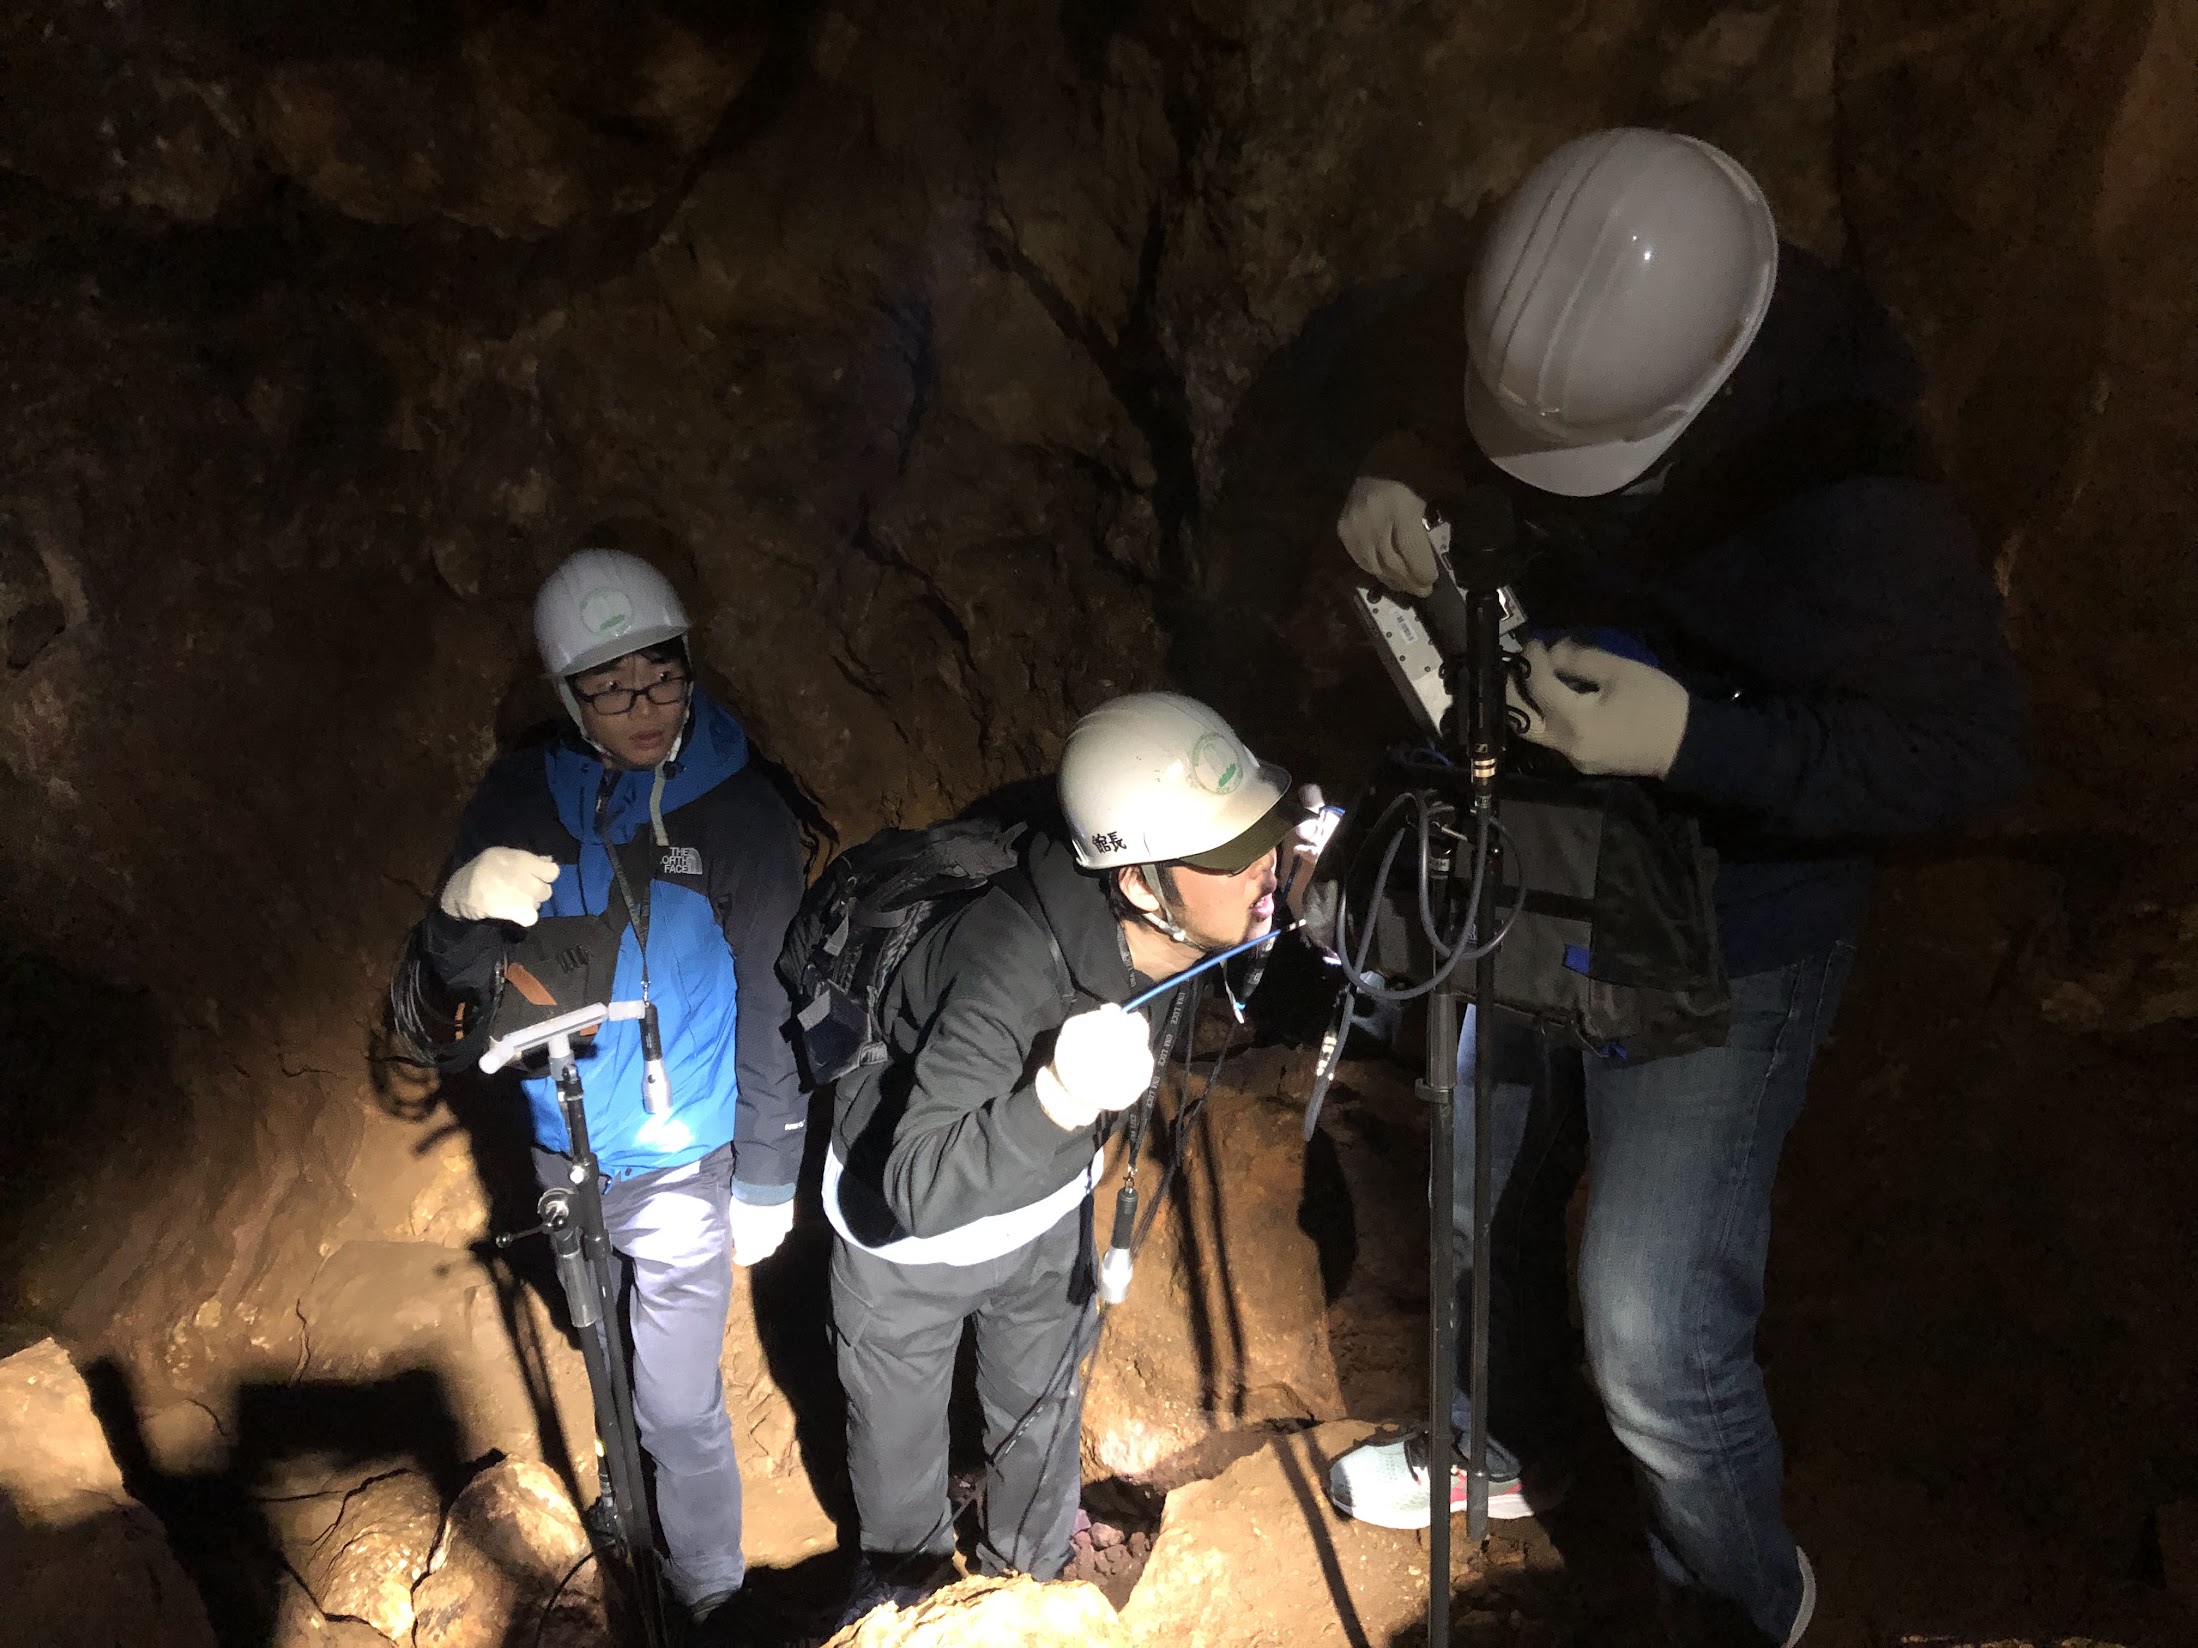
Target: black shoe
903,1581
738,1620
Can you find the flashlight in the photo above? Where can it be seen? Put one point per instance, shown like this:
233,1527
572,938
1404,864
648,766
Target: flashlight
1114,1265
656,1085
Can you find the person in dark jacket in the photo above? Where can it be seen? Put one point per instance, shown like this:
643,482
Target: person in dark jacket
1748,590
960,1172
654,771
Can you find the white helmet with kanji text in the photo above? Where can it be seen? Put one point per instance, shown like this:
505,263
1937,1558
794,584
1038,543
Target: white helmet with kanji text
1157,778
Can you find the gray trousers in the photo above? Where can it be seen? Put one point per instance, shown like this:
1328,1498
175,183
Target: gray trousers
673,1232
898,1328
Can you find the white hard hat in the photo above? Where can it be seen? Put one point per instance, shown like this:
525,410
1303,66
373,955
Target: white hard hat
1617,289
1157,778
602,604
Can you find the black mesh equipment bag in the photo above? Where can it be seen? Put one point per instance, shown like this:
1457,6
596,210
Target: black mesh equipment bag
1604,900
1613,947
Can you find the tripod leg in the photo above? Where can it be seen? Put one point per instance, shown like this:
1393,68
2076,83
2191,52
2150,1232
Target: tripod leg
1442,1322
574,1223
1476,1384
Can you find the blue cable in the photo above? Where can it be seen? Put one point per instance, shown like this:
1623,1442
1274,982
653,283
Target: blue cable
1214,960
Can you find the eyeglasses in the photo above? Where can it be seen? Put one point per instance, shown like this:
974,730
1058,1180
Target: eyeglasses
671,689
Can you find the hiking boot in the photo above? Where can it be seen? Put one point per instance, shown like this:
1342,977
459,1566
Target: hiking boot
1385,1483
903,1581
735,1619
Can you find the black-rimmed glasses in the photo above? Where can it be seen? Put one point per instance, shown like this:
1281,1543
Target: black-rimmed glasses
672,689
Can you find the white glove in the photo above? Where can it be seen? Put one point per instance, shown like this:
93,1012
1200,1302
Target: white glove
1601,712
758,1229
500,884
1102,1060
1302,847
1384,529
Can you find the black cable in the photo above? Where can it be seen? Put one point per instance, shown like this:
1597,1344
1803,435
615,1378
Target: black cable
542,1619
1451,952
1186,1117
417,1026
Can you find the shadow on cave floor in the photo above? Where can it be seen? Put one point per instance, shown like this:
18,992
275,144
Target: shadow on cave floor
217,1521
495,1122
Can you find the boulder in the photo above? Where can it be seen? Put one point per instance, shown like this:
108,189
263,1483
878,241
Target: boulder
985,1613
513,1565
88,1565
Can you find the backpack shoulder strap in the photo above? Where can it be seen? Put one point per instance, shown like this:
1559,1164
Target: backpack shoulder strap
1018,883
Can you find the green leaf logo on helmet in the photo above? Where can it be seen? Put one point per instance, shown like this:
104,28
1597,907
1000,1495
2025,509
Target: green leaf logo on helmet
605,611
1216,766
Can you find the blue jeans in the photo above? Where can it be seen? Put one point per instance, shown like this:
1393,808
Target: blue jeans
1680,1155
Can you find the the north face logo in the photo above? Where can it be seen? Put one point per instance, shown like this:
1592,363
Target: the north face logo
686,861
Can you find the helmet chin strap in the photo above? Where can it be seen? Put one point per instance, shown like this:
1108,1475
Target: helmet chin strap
1162,918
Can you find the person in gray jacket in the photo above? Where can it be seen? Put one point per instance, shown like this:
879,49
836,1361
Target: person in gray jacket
961,1169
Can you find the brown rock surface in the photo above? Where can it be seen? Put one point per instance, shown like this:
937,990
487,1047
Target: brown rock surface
512,1560
368,1562
87,1564
1225,1327
991,1613
300,1623
377,1311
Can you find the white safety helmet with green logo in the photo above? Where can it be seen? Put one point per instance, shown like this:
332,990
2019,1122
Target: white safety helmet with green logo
600,605
1157,778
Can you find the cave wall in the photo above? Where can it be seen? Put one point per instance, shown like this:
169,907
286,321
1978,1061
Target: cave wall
955,360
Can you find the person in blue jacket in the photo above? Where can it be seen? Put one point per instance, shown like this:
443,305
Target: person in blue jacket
1710,445
653,770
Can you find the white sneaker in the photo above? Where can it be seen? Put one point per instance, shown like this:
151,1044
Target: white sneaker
1807,1610
1385,1483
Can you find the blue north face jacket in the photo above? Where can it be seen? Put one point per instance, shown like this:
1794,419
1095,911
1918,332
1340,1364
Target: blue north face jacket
719,900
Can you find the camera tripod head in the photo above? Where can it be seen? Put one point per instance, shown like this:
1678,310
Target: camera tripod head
555,1034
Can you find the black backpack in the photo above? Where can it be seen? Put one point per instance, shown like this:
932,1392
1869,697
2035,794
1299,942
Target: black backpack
866,912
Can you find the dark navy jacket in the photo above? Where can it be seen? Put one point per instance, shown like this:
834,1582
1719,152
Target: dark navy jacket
718,907
1794,563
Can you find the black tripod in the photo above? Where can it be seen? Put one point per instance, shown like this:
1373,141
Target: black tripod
1444,797
1480,550
572,1219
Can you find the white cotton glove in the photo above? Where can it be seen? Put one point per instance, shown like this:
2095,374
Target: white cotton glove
1384,529
1601,712
1302,847
758,1229
500,884
1102,1060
